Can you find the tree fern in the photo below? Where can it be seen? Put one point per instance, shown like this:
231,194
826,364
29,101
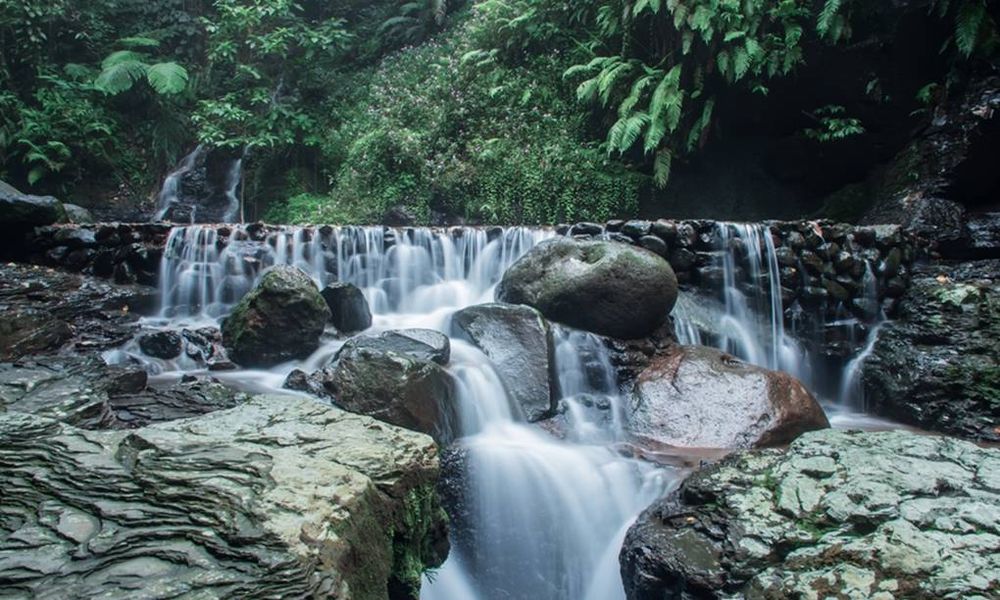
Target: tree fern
120,76
970,19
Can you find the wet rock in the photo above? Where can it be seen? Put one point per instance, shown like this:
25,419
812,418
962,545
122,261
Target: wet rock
78,214
683,259
400,216
812,263
636,229
665,230
393,387
607,288
857,515
421,344
786,257
22,211
837,291
937,365
518,341
25,331
693,396
166,345
587,229
279,320
280,497
186,399
348,307
654,245
813,296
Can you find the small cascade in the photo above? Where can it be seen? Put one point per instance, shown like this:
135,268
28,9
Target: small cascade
206,269
234,207
589,388
750,324
852,393
170,192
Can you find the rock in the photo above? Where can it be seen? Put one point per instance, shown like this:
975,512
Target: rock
78,214
937,365
840,514
607,288
183,400
587,229
396,388
400,216
654,245
166,345
518,341
22,211
698,397
683,259
421,344
279,320
636,229
348,307
25,331
281,497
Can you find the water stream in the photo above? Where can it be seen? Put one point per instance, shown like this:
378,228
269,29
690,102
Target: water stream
547,515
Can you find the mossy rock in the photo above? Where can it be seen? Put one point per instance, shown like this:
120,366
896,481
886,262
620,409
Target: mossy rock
281,319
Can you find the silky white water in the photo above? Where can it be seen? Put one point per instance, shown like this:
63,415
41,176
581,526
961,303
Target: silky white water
547,516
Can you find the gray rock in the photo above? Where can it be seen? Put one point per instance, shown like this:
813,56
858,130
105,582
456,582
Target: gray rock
849,514
279,320
25,331
654,245
166,345
348,307
23,211
518,341
421,344
697,397
78,214
283,497
604,287
937,365
395,388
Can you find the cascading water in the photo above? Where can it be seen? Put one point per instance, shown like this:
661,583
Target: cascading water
547,515
170,192
233,205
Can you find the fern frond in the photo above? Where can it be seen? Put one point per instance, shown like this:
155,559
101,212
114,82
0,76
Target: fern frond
122,57
167,78
120,77
139,42
662,165
827,16
635,95
968,22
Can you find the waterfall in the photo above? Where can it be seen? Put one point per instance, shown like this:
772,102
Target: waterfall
750,324
232,214
170,192
547,516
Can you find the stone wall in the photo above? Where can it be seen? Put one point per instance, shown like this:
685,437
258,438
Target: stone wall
822,265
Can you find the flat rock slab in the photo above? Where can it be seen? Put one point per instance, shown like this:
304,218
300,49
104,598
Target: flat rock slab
840,514
282,497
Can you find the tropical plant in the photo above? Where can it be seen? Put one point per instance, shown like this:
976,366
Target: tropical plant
415,21
122,69
832,124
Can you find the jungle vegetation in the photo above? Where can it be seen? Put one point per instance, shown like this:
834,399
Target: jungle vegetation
527,111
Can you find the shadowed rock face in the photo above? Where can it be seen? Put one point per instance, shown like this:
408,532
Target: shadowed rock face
518,341
605,287
282,497
938,365
693,396
859,515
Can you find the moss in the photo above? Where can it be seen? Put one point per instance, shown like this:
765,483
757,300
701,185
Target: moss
417,542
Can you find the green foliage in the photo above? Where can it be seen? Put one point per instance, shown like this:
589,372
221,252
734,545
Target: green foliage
832,124
415,21
122,69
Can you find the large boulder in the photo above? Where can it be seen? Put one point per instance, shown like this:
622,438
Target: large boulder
392,386
693,396
518,340
282,497
840,514
608,288
281,319
937,365
349,309
23,211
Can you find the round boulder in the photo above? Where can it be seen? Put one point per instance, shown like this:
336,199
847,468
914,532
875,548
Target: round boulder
281,319
166,345
422,344
605,287
698,397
